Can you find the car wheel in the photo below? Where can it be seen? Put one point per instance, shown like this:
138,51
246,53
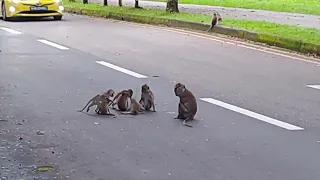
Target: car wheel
57,17
3,11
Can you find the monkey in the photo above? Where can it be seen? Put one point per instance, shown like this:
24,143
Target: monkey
123,100
187,107
99,97
214,21
103,107
147,98
135,108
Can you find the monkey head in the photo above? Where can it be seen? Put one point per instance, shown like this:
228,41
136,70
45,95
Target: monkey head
179,89
145,88
110,92
130,92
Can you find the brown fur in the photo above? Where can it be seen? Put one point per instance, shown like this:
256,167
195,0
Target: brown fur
103,107
96,99
214,21
135,108
187,107
122,99
147,98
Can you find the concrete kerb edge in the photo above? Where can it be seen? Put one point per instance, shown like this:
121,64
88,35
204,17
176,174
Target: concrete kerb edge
272,40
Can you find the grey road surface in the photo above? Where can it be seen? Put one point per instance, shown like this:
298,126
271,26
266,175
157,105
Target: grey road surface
303,20
43,86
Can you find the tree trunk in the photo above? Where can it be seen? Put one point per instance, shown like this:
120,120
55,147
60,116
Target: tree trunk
172,6
105,2
136,4
120,3
85,1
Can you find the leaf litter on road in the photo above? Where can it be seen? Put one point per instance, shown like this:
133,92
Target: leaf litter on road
44,168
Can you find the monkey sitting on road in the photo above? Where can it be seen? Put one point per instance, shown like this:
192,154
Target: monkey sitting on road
135,108
103,107
187,107
97,99
214,21
123,100
147,98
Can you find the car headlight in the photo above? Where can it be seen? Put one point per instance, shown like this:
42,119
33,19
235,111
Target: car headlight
16,1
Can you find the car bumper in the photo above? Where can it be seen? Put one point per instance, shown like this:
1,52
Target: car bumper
23,10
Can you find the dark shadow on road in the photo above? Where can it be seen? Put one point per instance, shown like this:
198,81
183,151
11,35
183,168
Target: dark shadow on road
34,19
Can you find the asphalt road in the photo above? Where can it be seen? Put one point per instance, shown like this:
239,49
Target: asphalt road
43,84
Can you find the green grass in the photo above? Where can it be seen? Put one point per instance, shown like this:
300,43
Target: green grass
304,34
296,6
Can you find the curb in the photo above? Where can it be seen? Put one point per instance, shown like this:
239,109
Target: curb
291,44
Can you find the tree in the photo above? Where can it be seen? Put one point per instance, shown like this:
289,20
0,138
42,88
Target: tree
172,6
136,4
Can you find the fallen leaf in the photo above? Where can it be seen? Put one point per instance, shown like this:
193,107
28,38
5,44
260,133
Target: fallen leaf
44,168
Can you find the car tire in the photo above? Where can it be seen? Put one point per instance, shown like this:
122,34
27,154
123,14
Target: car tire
57,17
4,13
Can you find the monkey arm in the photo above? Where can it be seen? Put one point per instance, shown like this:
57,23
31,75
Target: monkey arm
120,93
184,107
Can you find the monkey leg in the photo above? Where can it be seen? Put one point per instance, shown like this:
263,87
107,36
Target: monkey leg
141,101
181,113
153,106
97,110
88,108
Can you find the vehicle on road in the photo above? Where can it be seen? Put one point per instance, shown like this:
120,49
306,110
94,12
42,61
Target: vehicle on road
31,8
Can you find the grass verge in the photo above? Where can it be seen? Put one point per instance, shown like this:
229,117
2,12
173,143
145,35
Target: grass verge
308,35
294,6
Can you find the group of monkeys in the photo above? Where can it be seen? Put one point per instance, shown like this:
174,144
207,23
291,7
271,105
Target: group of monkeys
187,107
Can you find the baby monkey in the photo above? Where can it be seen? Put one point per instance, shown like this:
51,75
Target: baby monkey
135,108
99,100
147,98
123,100
103,107
187,107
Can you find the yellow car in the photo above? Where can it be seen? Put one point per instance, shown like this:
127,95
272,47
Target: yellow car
31,8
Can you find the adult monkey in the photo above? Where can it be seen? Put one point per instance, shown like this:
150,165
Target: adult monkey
187,107
123,100
97,99
147,98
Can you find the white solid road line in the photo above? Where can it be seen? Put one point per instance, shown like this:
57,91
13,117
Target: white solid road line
10,30
314,86
121,69
53,44
252,114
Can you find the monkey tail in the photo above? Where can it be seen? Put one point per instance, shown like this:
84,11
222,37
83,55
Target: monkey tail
210,28
85,106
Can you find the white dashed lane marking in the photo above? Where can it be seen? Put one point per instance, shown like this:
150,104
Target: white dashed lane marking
52,44
252,114
126,71
314,86
10,30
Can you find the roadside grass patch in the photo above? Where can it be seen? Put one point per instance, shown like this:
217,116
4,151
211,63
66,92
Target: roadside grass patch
295,6
310,35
